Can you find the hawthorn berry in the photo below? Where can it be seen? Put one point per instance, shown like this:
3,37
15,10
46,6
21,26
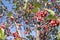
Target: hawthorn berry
53,23
26,21
15,34
3,26
12,18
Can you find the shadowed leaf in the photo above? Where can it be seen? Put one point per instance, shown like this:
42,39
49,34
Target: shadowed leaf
9,14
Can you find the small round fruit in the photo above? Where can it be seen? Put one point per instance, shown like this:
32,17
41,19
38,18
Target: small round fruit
12,18
3,26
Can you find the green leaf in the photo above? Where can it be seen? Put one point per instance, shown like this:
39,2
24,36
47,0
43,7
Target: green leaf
51,11
2,36
51,17
9,14
0,33
34,10
37,5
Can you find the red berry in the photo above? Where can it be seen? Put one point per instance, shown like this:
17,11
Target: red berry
25,32
40,19
41,13
26,21
15,34
45,12
12,18
53,23
46,27
3,26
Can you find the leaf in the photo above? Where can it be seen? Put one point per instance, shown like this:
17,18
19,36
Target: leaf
37,5
51,17
49,10
34,10
0,33
9,14
2,36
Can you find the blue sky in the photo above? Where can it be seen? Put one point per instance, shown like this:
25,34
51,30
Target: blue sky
8,5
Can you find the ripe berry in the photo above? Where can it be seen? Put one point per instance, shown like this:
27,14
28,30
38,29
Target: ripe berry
15,34
26,21
12,18
53,23
41,13
3,26
46,27
40,19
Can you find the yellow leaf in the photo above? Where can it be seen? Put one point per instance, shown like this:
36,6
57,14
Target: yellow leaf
2,36
51,11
